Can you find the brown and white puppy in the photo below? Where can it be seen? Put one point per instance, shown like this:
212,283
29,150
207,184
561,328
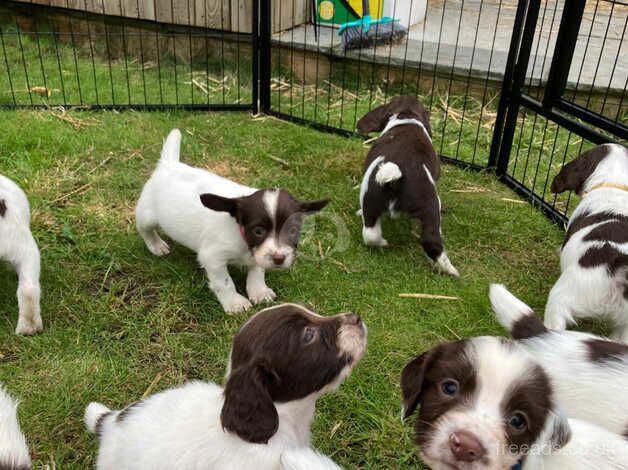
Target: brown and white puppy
222,221
400,174
485,403
282,360
594,256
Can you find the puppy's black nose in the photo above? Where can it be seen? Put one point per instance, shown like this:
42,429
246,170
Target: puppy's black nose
466,447
278,259
353,319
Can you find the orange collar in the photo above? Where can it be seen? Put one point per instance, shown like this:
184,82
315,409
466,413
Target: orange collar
622,187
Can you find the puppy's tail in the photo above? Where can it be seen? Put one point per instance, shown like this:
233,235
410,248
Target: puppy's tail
95,414
171,148
388,172
305,459
514,315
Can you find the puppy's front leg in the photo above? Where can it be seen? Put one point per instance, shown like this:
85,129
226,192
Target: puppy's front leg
256,286
28,290
222,285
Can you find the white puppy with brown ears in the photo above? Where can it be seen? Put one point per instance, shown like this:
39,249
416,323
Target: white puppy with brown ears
282,360
223,222
18,247
13,449
594,257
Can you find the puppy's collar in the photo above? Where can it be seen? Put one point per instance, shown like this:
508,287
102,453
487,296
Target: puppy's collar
621,187
394,122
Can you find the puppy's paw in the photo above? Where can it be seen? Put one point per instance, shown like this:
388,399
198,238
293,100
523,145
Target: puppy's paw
159,248
236,304
444,265
265,294
29,327
379,242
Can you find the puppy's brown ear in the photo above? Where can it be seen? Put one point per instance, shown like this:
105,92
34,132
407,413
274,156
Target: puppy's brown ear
561,431
412,379
220,204
248,410
574,174
375,120
310,207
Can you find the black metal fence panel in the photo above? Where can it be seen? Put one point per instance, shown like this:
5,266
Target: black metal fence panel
99,59
452,59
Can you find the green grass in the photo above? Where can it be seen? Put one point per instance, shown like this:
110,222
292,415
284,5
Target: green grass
118,319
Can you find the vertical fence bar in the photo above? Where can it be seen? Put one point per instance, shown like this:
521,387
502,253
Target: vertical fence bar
265,20
255,57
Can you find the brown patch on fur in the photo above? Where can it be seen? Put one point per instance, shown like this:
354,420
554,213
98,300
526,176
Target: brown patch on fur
3,207
281,354
613,231
603,351
584,220
533,397
573,175
422,378
99,423
528,326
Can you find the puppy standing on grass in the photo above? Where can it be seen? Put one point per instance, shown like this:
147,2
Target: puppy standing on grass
400,174
13,449
594,256
223,222
282,360
18,247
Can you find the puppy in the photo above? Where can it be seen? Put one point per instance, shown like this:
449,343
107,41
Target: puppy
13,449
223,222
589,374
594,256
18,247
305,458
400,174
486,404
282,360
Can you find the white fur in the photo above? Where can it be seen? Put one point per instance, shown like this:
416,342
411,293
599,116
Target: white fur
590,447
587,390
394,121
592,292
364,186
170,201
13,447
387,173
306,459
373,236
18,247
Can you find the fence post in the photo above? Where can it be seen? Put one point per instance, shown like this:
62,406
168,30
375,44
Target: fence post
514,78
265,25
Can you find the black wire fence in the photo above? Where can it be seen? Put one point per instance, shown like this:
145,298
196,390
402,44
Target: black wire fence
520,87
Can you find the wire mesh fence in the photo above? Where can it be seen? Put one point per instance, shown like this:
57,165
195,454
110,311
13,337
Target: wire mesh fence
520,86
93,57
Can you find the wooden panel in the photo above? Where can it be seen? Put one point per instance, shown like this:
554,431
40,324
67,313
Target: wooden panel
241,15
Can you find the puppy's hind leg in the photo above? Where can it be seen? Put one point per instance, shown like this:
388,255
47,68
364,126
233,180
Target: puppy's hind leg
558,313
28,290
146,224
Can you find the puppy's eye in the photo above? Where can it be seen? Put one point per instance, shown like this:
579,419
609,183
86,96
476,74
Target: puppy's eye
259,231
518,421
449,387
309,334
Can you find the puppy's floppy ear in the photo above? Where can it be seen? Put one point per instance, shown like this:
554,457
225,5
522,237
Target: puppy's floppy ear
309,207
375,120
561,431
412,382
574,174
220,204
248,410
